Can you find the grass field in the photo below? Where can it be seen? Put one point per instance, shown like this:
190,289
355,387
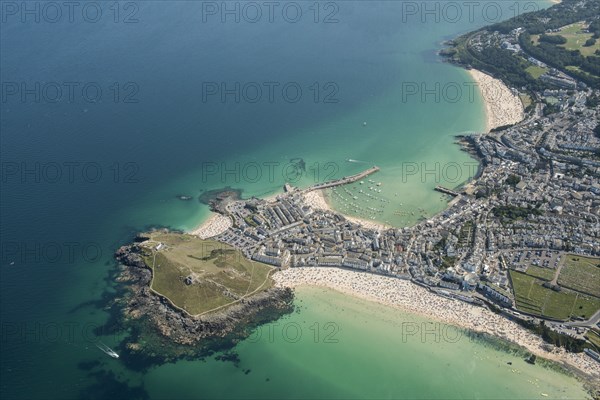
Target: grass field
525,99
581,274
536,71
546,274
577,69
217,274
575,38
574,68
532,297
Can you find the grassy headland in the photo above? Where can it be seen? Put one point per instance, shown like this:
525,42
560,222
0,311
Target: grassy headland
201,275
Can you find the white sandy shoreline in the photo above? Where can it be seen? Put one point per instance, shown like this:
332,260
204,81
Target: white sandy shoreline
502,106
410,297
213,226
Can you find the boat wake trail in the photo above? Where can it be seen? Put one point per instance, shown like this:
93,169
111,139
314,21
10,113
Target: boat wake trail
107,350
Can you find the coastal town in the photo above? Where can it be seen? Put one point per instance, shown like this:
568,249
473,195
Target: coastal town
515,254
528,219
530,207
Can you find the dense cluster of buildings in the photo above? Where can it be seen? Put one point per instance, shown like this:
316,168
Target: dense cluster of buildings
288,233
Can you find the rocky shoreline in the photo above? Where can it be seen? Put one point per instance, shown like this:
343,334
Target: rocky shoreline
159,332
216,199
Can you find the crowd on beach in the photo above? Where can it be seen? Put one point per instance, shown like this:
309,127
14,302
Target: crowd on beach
503,106
214,226
410,297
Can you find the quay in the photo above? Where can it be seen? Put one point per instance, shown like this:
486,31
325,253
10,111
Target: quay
446,191
344,180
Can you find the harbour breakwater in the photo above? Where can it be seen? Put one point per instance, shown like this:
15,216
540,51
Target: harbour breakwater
345,180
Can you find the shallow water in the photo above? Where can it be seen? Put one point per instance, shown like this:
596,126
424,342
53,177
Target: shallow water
339,346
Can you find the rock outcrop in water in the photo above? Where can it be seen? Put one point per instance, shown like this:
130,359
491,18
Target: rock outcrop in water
220,197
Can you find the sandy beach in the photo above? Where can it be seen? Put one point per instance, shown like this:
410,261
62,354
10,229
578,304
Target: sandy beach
503,107
415,299
213,226
316,200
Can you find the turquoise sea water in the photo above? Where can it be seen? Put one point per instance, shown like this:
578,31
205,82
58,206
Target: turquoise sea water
81,175
341,347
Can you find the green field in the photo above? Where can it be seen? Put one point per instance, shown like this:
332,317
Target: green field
581,274
219,274
532,297
576,69
536,71
525,99
546,274
575,38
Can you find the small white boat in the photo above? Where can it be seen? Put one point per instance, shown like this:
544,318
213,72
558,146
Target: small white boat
107,350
